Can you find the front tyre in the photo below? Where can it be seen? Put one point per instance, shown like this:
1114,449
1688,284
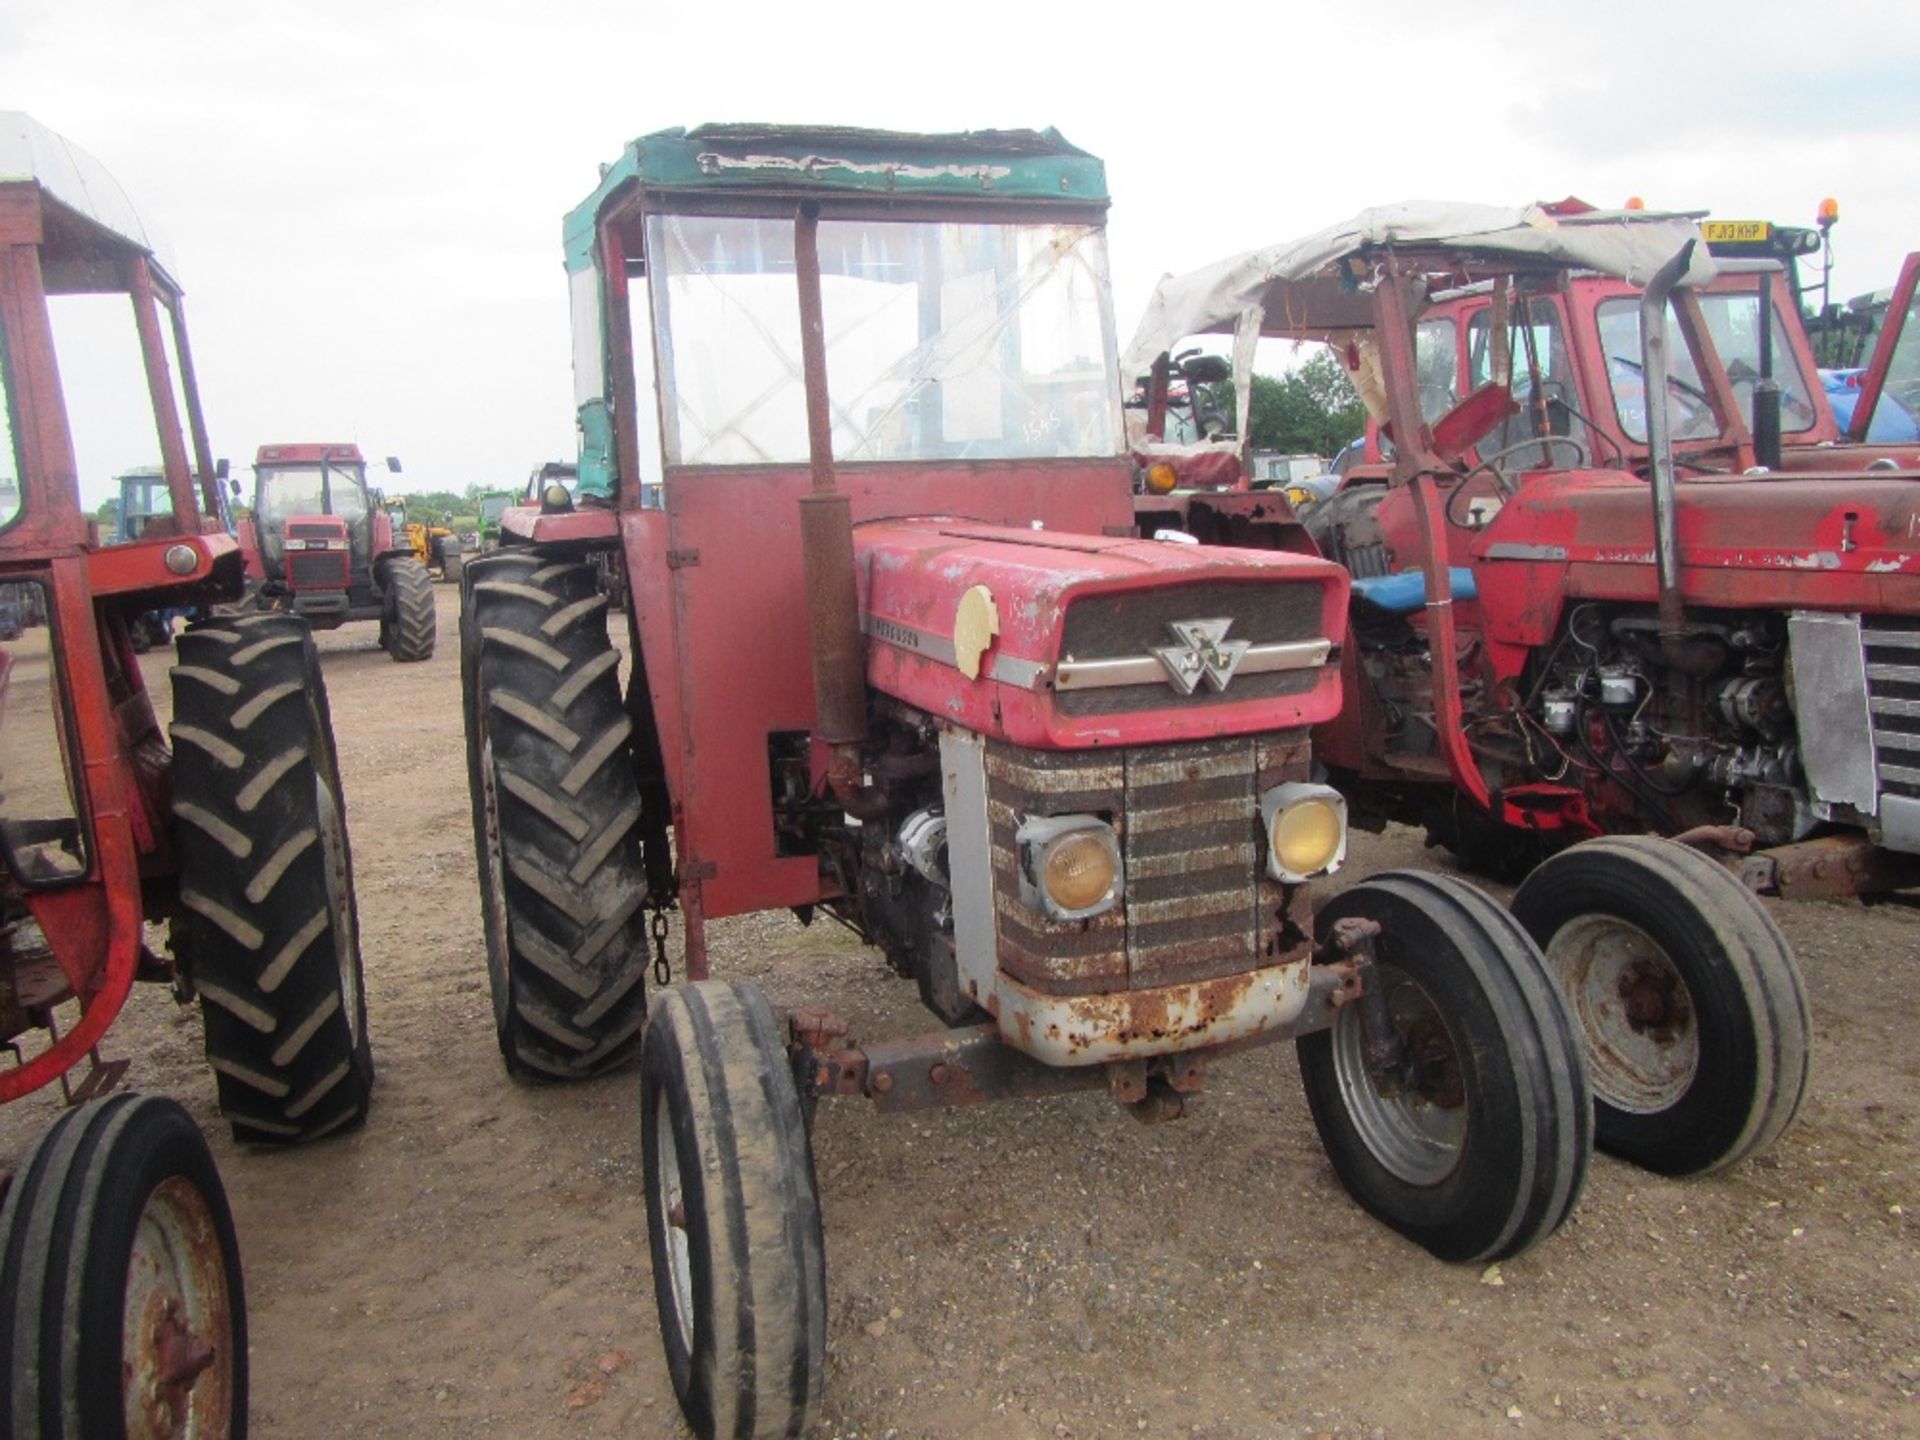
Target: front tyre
733,1215
271,936
122,1311
1686,997
1475,1143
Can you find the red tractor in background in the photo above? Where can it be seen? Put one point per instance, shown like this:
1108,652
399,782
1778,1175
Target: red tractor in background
850,416
320,545
1544,651
124,1311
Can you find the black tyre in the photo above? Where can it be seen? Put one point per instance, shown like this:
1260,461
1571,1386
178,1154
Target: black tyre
453,566
272,940
1685,995
733,1215
122,1310
1476,1147
410,627
556,808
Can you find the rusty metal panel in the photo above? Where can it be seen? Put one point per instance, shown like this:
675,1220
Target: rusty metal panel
1192,821
1188,821
1053,956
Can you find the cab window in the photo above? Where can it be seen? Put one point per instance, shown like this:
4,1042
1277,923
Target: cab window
1534,330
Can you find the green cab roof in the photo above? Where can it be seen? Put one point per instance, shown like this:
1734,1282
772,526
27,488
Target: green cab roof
827,159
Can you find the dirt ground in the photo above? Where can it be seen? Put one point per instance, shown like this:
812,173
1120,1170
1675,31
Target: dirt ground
474,1261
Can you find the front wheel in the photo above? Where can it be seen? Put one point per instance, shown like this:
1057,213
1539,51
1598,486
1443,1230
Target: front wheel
733,1215
1686,996
1474,1142
124,1313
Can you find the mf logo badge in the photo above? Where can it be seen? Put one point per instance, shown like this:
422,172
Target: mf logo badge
1203,652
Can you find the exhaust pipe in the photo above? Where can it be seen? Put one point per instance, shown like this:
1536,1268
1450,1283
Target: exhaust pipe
826,540
1653,375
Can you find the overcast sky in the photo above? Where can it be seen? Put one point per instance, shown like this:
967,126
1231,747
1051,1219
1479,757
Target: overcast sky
364,199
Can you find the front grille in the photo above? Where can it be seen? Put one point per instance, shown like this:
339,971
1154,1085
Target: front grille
1188,818
1893,700
1132,622
317,569
297,531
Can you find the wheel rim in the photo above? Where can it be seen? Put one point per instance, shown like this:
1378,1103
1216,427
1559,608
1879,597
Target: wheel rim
176,1338
346,944
673,1217
1414,1122
1637,1018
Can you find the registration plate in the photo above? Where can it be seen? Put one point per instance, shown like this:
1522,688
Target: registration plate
1735,232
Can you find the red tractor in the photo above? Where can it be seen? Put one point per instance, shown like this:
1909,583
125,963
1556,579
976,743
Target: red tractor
1542,650
898,659
124,1312
320,545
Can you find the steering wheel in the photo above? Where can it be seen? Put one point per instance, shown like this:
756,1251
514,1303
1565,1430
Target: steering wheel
1506,488
1582,457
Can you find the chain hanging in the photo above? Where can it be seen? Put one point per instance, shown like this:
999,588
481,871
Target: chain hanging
657,927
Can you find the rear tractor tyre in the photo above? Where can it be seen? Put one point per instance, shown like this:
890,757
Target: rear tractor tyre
1476,1144
556,808
410,627
122,1311
272,940
452,567
733,1215
1685,994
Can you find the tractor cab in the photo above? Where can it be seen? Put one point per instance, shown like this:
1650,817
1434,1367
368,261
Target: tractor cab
313,514
143,497
1787,412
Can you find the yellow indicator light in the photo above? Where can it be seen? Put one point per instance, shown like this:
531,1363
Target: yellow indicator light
1161,477
1078,870
1306,836
1634,202
557,498
1828,212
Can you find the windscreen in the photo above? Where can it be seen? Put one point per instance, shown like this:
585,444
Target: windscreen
291,490
1733,323
944,341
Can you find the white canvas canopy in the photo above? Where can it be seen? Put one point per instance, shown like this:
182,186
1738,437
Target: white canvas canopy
1301,289
30,151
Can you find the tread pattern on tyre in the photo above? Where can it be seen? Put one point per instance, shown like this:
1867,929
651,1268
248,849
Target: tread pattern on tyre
65,1233
1546,1073
543,700
763,1283
412,626
1758,963
252,744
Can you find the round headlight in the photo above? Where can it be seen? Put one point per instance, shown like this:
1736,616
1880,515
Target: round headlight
1306,836
556,497
1078,870
1161,477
